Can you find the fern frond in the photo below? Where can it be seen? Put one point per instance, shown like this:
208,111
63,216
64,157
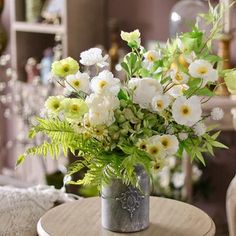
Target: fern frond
45,149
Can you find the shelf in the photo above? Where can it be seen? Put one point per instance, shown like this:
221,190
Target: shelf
37,28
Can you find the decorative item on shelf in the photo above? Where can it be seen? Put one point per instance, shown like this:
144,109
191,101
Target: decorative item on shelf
184,14
114,46
224,44
32,70
45,65
124,131
33,10
52,11
18,108
3,35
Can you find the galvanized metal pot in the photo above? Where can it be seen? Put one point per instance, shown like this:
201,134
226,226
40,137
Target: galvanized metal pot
126,208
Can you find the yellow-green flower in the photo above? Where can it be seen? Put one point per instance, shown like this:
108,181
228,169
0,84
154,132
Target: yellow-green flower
64,67
75,108
230,80
54,104
132,38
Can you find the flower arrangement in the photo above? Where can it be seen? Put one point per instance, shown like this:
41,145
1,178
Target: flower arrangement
154,114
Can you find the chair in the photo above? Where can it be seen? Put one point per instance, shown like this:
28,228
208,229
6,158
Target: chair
231,207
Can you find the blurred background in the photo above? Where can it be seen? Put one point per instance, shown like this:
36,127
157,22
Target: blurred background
34,33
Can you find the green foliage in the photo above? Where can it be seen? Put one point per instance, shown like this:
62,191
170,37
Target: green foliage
102,165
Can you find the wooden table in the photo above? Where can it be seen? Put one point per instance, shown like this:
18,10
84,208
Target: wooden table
167,218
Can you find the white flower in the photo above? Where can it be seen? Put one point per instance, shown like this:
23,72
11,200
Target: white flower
171,162
118,67
199,129
93,56
132,37
101,108
144,91
196,173
170,144
105,82
217,113
204,70
178,179
101,117
179,77
102,101
187,111
183,136
164,175
149,58
177,90
160,102
78,82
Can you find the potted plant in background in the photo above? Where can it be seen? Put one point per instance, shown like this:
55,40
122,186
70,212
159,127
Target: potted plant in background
126,130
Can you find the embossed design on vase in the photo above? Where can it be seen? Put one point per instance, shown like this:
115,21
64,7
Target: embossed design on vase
131,200
126,208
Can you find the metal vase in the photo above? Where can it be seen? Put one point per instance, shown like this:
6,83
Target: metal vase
126,208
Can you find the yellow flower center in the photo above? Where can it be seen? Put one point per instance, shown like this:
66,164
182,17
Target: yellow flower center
150,57
56,105
185,110
99,132
76,83
66,67
153,150
160,104
202,70
75,108
142,146
165,142
178,77
102,84
156,166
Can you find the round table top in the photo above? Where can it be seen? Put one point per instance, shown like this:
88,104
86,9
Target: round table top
167,217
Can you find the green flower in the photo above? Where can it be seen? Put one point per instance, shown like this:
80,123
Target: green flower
132,38
75,108
54,104
65,67
230,80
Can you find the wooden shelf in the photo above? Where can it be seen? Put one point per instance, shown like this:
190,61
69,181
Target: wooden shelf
22,26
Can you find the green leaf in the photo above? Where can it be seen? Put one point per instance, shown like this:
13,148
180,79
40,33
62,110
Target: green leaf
123,95
20,160
218,144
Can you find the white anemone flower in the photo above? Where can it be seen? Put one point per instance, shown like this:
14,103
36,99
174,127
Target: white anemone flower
169,143
93,56
105,82
177,90
149,58
187,111
204,70
144,90
78,82
217,113
160,102
199,129
179,77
